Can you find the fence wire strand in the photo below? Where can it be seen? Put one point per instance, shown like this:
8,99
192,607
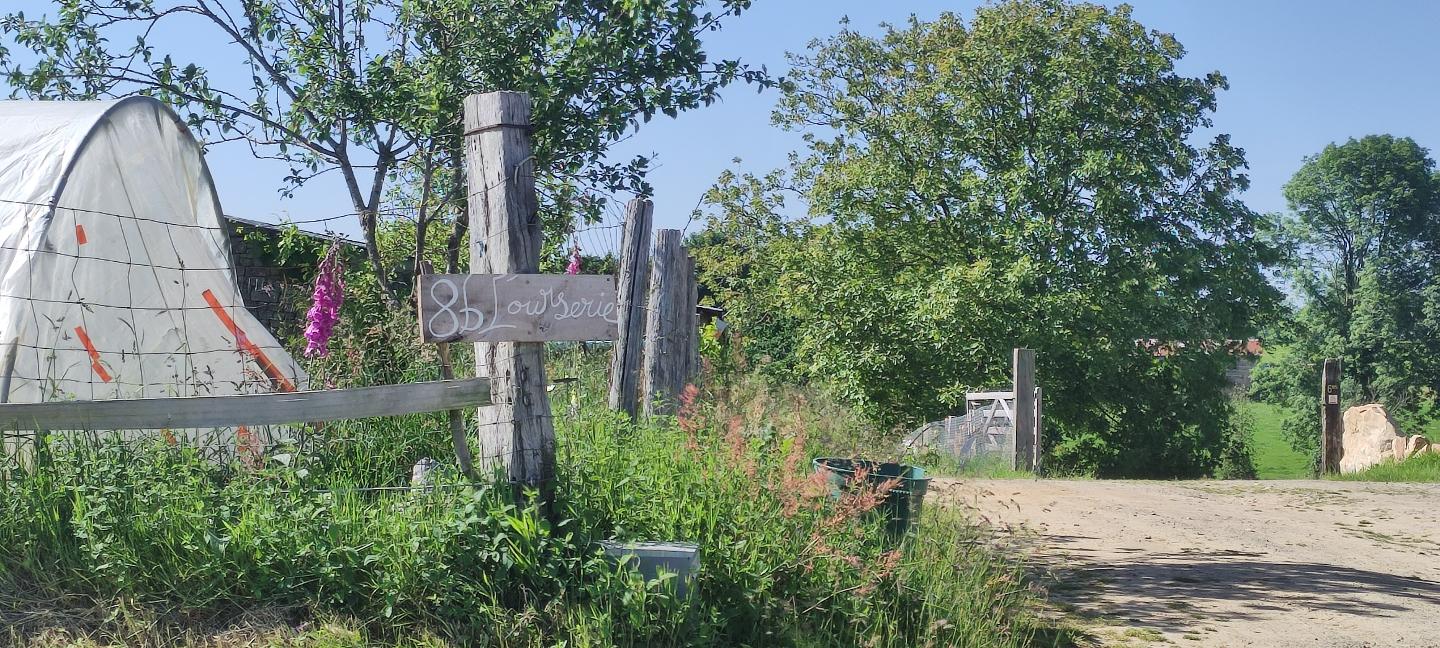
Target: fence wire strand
104,304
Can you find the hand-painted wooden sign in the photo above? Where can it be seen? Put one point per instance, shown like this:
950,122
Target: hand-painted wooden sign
517,307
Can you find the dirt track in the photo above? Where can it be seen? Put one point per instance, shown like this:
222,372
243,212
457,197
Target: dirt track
1266,564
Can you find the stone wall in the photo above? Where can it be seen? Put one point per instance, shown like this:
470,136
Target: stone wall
274,294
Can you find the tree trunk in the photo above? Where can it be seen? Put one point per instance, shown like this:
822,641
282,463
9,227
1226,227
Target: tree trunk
368,226
462,223
422,213
452,246
368,222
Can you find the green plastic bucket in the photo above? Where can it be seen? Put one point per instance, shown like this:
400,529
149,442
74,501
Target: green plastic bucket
902,503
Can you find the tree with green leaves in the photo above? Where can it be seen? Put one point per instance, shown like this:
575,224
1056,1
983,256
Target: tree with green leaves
371,88
1364,226
1028,178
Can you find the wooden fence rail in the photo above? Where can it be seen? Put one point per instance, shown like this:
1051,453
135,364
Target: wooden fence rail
247,409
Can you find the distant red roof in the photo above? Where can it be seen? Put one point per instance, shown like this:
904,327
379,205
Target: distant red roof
1161,348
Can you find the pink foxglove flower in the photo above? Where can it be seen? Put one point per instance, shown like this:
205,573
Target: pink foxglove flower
324,310
574,267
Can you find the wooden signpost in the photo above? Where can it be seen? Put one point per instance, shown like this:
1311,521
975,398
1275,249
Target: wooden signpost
515,434
1331,429
517,307
508,310
1026,434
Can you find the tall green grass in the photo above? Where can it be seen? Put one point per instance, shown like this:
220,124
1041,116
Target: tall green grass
1420,468
983,467
112,523
1273,456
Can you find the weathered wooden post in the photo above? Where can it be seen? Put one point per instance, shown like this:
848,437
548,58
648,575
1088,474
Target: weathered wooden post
665,351
1331,427
516,433
630,301
1023,384
692,321
1039,427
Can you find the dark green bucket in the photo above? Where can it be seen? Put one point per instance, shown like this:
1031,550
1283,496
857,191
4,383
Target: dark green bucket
902,503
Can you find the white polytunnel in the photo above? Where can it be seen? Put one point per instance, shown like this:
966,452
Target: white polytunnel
115,269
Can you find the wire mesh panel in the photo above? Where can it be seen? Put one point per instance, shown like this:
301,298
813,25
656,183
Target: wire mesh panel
985,432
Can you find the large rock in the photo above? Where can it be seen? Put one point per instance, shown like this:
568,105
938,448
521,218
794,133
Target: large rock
1370,437
1417,444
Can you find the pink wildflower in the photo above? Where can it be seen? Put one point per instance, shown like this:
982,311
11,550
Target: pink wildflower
574,267
688,416
324,312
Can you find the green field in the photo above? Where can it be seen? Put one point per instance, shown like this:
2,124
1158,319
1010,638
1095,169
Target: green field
1274,458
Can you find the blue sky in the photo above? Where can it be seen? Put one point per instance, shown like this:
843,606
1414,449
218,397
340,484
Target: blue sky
1303,73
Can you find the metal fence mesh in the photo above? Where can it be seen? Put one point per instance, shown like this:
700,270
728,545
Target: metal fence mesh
985,432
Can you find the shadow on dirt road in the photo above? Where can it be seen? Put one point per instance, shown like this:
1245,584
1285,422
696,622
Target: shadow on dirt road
1306,563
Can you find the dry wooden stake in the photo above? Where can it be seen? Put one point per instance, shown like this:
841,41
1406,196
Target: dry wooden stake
692,321
630,298
666,353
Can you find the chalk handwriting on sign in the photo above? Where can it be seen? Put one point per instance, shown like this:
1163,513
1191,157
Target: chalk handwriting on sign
517,308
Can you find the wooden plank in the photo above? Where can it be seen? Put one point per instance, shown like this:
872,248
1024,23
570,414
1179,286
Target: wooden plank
1024,411
246,409
516,433
1331,425
990,416
992,395
517,307
630,303
665,352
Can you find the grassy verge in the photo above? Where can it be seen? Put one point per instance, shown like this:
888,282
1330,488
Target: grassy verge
937,465
1421,468
1273,456
108,542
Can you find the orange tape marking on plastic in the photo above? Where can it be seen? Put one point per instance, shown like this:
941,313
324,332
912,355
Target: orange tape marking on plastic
80,234
276,376
247,447
94,355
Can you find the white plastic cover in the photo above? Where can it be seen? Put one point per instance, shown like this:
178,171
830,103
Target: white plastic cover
115,275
